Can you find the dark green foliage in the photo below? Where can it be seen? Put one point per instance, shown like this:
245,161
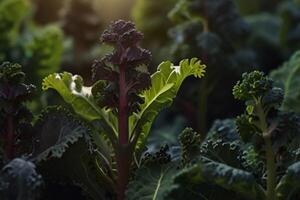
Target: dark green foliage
275,29
43,52
213,31
289,34
13,89
190,144
56,129
123,103
213,180
156,28
233,161
273,132
15,118
38,50
255,6
202,178
223,143
158,25
166,128
12,13
64,152
262,101
54,142
19,180
159,178
287,77
288,187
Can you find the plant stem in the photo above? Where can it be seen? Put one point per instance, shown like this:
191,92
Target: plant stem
271,170
124,151
124,158
123,111
271,165
9,139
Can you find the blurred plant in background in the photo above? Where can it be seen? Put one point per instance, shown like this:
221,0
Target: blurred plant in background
46,11
231,36
83,14
156,28
275,29
39,49
214,31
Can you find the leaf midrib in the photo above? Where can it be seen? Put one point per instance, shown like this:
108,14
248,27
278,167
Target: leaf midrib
161,92
158,186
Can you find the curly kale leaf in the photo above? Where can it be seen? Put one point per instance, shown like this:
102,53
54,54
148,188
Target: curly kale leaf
56,130
204,178
165,85
152,183
201,180
81,99
223,143
19,180
156,171
64,152
200,177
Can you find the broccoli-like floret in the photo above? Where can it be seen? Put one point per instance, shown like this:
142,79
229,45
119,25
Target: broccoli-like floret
253,86
190,142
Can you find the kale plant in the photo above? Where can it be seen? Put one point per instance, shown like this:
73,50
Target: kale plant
255,156
28,144
15,117
18,178
124,100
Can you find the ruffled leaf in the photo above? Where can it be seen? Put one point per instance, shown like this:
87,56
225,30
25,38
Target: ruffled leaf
56,130
154,180
165,85
80,98
202,180
223,143
64,152
209,173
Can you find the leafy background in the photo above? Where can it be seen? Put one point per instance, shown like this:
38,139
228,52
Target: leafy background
48,36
